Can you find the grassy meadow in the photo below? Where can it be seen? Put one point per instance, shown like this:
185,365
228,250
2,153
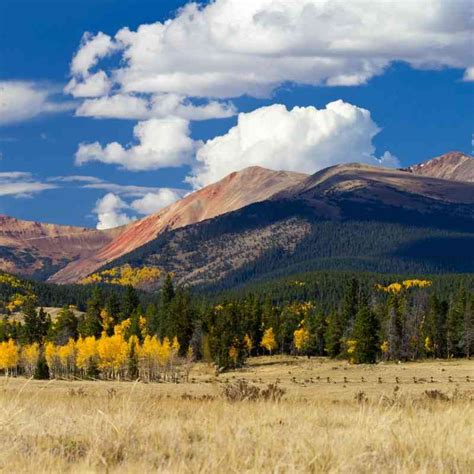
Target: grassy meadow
322,416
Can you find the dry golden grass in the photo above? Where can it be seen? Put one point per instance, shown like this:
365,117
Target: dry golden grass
319,426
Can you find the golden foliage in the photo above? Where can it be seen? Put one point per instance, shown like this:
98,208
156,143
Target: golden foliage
301,338
29,358
404,285
268,340
9,355
125,275
112,352
86,352
248,343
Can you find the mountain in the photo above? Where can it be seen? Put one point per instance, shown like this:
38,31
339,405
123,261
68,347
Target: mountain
291,207
37,250
454,165
235,191
353,217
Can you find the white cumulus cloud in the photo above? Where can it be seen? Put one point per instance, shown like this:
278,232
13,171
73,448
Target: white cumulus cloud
109,210
113,211
162,143
21,101
95,85
228,48
303,139
153,202
91,50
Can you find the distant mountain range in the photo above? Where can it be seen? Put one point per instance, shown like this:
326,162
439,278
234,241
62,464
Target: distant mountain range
257,222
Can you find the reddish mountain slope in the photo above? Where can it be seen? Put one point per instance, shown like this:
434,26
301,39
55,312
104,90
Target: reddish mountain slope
455,166
36,249
233,192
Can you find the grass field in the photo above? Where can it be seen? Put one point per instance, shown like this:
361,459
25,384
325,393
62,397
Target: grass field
359,420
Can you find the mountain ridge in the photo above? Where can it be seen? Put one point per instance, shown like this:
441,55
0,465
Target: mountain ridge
235,190
346,216
65,254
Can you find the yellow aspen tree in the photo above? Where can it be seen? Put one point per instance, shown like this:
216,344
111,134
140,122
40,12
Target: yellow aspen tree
268,340
86,354
29,358
175,346
67,358
142,324
164,353
248,343
301,338
112,352
149,356
9,357
122,328
107,320
52,359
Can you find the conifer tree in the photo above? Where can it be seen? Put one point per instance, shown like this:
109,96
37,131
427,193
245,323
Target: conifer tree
36,324
350,304
167,294
91,322
455,324
395,327
468,333
317,326
129,303
334,334
64,327
152,321
42,369
182,317
365,335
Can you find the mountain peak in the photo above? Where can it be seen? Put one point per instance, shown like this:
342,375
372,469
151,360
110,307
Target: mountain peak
454,165
234,191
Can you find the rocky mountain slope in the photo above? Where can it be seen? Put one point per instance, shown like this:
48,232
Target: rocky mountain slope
66,254
236,190
454,165
343,217
35,249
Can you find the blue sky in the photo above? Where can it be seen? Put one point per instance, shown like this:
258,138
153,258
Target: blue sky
417,95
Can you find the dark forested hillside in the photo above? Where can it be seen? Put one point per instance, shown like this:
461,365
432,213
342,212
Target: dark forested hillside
350,217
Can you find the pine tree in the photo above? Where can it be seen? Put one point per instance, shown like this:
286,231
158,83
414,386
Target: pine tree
91,323
112,305
132,362
468,333
152,321
182,317
350,304
64,327
130,302
334,334
36,324
455,324
167,294
317,327
365,335
42,369
395,327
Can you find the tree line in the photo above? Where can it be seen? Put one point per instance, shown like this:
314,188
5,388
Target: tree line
120,338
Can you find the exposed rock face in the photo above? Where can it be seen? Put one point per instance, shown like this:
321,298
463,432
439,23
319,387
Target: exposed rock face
233,192
36,249
455,165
